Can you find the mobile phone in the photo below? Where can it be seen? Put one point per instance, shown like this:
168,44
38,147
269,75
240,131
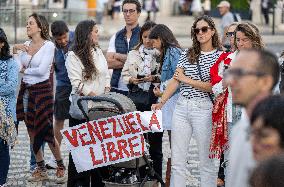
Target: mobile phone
140,76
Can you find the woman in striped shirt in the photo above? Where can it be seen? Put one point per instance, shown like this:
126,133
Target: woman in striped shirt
192,114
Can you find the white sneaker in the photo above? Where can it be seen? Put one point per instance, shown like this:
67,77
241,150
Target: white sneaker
51,164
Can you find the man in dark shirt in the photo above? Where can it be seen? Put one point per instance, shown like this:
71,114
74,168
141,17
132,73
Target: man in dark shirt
62,39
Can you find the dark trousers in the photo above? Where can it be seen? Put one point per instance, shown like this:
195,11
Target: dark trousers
89,178
119,91
155,142
4,161
265,12
221,173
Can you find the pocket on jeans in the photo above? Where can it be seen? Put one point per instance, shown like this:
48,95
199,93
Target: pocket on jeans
204,105
180,101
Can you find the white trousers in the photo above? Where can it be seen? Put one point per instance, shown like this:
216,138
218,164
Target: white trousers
192,116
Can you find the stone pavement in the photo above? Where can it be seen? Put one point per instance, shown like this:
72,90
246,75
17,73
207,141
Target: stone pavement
20,156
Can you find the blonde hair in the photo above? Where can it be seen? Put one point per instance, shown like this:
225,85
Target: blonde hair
252,32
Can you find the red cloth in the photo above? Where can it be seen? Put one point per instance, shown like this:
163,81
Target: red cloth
219,138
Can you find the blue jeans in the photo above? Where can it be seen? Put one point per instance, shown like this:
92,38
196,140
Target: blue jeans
33,159
4,160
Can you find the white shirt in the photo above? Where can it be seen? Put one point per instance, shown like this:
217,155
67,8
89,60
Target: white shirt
75,69
241,160
111,49
38,69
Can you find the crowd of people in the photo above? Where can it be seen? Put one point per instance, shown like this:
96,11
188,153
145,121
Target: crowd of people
219,92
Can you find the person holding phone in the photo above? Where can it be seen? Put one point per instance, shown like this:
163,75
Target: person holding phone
140,70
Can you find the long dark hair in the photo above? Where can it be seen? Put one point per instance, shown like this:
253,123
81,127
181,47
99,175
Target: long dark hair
42,23
83,46
195,50
5,50
147,26
162,32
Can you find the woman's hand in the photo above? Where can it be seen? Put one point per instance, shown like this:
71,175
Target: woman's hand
179,76
107,89
149,78
157,106
224,84
136,81
157,92
21,47
92,94
23,69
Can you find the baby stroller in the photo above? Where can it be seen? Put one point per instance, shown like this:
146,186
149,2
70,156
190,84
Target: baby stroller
124,174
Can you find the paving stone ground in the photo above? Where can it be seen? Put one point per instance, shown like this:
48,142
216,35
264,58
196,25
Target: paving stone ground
20,156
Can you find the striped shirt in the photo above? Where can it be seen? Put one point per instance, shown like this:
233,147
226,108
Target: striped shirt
206,61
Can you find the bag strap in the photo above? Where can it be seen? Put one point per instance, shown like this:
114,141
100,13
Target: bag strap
34,54
201,78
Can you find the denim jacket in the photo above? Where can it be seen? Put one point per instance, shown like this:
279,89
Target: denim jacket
170,62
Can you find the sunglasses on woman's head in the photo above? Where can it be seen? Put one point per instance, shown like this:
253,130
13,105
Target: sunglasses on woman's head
202,29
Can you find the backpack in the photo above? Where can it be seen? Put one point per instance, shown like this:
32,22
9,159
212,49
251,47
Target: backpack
237,17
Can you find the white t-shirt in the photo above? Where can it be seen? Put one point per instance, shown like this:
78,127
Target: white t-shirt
38,69
111,49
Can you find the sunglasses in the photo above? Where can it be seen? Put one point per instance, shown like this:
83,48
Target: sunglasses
239,73
202,29
130,11
230,34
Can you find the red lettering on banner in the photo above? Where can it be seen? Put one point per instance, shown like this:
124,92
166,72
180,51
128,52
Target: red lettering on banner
95,162
131,124
114,128
111,149
122,145
72,139
154,120
132,146
93,129
138,117
125,130
104,152
81,136
103,129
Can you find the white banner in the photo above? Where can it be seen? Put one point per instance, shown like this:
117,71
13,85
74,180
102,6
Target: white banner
110,140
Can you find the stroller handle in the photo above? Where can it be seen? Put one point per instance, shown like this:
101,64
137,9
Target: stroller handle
97,99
